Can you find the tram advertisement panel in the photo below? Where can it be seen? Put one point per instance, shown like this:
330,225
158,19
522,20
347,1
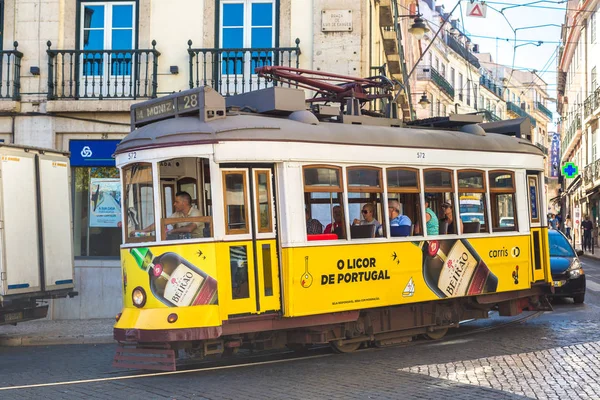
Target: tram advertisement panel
172,276
339,278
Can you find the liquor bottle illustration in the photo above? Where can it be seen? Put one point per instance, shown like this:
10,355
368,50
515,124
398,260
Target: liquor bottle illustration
453,268
174,280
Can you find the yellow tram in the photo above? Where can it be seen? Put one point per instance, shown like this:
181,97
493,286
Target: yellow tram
253,222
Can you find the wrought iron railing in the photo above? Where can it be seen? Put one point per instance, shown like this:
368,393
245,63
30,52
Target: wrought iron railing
102,74
597,169
510,106
10,73
543,148
462,51
231,71
491,86
588,174
592,103
570,132
543,109
442,83
489,116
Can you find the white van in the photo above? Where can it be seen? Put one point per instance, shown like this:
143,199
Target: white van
36,239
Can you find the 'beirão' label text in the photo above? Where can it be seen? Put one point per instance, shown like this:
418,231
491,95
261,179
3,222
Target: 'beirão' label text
457,271
183,286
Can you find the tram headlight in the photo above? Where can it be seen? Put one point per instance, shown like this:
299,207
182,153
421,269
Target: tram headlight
575,270
139,297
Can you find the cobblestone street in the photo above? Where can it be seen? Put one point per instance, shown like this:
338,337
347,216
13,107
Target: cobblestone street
555,355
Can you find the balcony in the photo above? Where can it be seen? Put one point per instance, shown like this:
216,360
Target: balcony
231,71
491,86
591,103
489,116
462,51
541,108
426,73
570,132
10,73
597,169
102,74
543,148
588,174
515,109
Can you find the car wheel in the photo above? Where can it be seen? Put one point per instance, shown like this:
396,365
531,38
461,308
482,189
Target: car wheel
578,299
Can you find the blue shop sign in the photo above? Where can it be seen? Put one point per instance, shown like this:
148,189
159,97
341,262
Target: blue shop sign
93,153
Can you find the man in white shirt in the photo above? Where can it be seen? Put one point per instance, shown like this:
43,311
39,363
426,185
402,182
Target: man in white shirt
184,209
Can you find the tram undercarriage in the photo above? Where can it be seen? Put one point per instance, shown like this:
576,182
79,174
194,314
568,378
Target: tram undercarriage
345,332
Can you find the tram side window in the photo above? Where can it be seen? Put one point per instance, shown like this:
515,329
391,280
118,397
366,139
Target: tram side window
323,195
440,215
404,206
365,192
139,201
502,194
236,198
185,195
472,204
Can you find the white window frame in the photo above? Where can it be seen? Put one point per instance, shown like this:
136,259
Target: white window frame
108,13
247,27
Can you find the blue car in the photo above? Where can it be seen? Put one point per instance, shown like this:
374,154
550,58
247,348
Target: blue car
567,274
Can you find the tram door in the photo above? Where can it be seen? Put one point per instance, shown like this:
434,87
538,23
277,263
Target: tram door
249,199
539,233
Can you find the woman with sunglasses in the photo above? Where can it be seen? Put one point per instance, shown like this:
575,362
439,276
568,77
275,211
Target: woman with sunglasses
449,217
368,215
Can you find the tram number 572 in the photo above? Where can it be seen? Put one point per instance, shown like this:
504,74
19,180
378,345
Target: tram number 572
420,154
132,155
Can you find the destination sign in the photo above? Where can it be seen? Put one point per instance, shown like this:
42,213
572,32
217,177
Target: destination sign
168,106
154,111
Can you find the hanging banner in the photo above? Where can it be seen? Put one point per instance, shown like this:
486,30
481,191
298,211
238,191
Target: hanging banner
555,156
105,202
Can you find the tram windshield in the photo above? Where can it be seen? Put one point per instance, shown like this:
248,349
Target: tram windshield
184,200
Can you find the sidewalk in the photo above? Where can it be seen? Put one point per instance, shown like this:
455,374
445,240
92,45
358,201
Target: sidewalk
46,332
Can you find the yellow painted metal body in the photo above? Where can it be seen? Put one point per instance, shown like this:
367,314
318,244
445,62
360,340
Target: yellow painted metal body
325,279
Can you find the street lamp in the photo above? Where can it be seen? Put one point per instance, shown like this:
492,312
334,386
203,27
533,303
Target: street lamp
424,101
418,29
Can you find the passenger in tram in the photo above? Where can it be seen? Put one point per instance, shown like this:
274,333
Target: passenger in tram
183,209
313,226
448,218
399,224
368,214
432,224
337,225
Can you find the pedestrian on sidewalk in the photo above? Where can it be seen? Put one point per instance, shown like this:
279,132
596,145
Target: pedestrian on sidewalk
568,226
587,226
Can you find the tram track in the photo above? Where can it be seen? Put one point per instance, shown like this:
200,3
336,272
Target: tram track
253,360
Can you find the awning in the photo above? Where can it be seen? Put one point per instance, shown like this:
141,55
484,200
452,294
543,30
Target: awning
574,185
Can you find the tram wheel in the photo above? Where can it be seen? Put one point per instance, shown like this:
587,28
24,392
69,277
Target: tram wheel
229,351
437,334
345,348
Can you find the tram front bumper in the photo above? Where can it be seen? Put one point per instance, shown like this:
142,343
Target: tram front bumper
151,325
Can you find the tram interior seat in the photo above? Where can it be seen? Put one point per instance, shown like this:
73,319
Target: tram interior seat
443,227
362,231
322,236
471,227
403,230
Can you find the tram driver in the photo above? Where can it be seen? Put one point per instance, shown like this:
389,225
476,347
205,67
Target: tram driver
183,209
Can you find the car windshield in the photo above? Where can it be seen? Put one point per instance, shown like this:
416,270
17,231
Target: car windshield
559,246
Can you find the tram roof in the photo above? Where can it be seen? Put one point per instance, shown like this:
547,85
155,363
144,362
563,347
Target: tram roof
252,127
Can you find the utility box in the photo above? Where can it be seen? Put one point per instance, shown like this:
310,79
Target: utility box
36,239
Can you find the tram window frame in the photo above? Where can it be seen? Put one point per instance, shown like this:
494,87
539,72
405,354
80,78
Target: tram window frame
441,194
375,198
497,191
337,189
180,173
125,184
398,192
269,209
228,230
484,226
